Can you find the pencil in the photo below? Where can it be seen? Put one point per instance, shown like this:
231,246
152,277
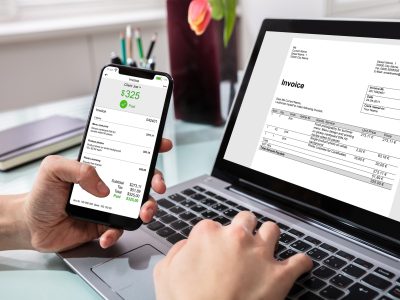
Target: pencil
139,44
129,47
123,48
152,43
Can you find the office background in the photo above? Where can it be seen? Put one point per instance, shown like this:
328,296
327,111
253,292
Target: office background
53,49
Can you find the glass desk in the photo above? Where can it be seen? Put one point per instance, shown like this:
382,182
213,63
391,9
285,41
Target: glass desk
43,275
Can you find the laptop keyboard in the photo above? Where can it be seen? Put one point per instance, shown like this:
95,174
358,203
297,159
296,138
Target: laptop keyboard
336,274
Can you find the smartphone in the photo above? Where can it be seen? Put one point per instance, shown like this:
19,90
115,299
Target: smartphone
121,140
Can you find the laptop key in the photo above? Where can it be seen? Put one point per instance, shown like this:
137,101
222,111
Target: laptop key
211,194
187,203
176,237
196,220
198,208
385,298
354,271
328,247
384,273
266,219
334,262
258,215
283,226
296,232
165,231
199,188
231,203
359,291
376,281
168,219
314,283
155,225
230,213
398,280
363,263
309,296
209,214
165,203
176,197
222,220
242,208
286,238
324,272
188,192
187,215
301,246
341,281
330,292
345,255
219,207
220,198
312,240
208,202
179,224
395,292
160,213
177,209
198,197
186,231
279,248
288,253
317,254
296,289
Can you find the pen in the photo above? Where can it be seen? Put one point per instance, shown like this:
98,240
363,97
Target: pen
139,44
128,41
123,48
152,43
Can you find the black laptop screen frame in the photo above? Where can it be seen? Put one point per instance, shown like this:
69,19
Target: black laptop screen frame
338,211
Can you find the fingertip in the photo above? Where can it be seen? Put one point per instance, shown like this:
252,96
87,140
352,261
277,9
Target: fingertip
148,211
166,145
102,188
158,184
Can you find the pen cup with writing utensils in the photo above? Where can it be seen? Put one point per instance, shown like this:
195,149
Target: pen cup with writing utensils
149,64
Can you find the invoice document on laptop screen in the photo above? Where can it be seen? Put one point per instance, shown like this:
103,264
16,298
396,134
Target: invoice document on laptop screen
323,112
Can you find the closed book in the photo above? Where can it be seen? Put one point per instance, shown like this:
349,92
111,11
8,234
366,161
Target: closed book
30,141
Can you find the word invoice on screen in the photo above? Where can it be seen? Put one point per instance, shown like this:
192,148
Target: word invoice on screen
334,123
120,141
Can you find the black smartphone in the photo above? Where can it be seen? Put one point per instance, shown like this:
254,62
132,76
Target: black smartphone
121,140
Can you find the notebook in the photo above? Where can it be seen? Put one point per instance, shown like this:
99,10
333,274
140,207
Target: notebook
30,141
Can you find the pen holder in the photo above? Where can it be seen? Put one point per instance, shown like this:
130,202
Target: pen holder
149,64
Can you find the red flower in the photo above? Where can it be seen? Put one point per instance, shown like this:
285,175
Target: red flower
199,15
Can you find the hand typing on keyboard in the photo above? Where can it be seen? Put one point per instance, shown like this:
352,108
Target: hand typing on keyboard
228,262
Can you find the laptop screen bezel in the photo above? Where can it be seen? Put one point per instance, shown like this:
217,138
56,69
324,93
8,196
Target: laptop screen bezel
232,172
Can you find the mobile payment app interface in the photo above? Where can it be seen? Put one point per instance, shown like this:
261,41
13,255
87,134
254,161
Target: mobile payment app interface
120,140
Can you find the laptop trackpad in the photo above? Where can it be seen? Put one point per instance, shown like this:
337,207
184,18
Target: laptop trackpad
131,274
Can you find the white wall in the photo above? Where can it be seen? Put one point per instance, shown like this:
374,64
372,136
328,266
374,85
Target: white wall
48,68
254,11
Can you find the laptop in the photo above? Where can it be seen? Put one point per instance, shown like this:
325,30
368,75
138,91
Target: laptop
313,144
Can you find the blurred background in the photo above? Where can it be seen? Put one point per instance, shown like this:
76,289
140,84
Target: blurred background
52,50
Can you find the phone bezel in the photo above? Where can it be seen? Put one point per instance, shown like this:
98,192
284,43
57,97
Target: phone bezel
105,218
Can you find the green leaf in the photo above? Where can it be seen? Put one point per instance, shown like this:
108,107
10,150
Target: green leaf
230,18
217,9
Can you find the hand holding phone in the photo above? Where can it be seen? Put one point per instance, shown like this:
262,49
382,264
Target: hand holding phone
121,141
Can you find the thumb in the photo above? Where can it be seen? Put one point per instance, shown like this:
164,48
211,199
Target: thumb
70,171
298,265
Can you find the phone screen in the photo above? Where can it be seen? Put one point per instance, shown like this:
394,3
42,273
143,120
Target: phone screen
120,140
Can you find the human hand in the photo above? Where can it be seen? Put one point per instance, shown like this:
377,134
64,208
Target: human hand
50,228
228,262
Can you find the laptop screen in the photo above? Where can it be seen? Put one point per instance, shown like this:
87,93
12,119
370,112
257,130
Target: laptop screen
323,112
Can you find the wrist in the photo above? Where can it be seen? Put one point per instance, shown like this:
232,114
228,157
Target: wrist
14,230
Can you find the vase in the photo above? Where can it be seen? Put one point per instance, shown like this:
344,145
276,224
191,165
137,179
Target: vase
195,67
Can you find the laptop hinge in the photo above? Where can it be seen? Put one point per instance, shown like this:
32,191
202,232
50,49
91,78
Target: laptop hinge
314,216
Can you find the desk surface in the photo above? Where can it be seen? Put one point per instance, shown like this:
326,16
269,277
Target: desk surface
45,276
